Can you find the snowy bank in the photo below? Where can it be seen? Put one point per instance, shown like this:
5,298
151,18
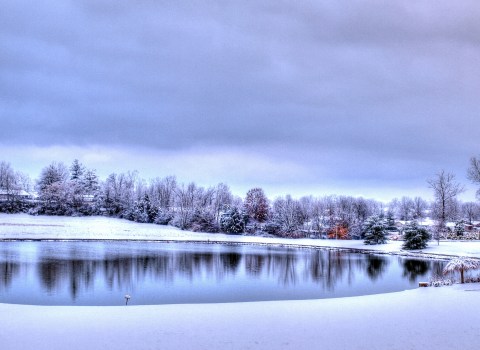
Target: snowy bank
424,318
27,227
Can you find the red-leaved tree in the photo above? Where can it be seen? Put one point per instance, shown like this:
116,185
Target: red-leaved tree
256,204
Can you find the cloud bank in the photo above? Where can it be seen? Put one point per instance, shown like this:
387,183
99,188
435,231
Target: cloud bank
355,96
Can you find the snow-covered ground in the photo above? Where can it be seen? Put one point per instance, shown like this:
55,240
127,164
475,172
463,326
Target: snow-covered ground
424,318
23,226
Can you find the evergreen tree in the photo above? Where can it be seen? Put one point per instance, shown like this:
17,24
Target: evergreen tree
76,170
416,237
459,228
163,217
390,221
91,182
204,221
374,231
232,221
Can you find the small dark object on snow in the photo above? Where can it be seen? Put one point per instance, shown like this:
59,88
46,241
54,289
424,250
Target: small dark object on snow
127,298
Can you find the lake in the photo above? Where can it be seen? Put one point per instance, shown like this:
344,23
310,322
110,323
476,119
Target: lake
102,273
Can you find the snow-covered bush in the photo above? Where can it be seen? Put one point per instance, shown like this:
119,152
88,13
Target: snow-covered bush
415,236
272,227
164,217
439,281
232,221
204,221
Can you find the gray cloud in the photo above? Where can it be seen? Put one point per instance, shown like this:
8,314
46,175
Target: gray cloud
394,83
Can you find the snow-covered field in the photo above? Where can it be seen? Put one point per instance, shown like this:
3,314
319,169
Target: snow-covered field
424,318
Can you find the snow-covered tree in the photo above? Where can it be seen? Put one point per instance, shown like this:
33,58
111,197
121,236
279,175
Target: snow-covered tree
119,193
362,210
287,212
256,204
11,185
470,211
374,231
461,265
9,181
203,220
419,207
445,190
77,170
222,199
473,172
232,221
405,208
459,228
55,190
390,221
90,181
185,201
142,211
55,172
415,236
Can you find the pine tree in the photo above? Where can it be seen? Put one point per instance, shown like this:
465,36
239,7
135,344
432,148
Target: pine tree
232,221
416,237
391,221
374,231
459,228
76,170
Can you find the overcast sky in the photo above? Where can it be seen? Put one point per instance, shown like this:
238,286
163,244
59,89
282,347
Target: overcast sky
368,98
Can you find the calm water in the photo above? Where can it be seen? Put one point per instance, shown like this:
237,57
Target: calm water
101,273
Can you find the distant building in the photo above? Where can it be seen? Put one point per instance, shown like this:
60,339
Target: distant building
24,195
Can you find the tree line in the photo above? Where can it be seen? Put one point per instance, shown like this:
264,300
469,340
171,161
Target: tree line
76,190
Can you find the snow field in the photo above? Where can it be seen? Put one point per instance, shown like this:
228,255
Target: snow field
424,318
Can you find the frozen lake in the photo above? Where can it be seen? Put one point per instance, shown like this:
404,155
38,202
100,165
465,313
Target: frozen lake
102,273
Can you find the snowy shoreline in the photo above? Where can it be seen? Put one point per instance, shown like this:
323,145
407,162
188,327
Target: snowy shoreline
23,227
423,318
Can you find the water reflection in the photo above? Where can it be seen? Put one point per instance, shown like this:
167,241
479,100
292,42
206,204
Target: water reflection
376,266
88,273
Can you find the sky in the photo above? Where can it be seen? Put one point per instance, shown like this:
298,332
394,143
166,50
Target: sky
363,98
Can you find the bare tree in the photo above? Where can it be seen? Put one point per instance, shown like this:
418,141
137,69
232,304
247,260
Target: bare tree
419,207
405,208
162,192
287,213
9,185
470,211
445,190
473,172
222,199
185,200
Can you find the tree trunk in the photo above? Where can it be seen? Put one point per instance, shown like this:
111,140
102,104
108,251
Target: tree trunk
461,276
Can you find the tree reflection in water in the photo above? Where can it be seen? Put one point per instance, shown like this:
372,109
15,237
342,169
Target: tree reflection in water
83,268
376,266
415,268
7,271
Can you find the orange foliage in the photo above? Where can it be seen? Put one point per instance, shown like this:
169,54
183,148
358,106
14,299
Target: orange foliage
338,232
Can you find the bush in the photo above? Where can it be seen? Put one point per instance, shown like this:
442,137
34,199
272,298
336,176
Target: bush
272,227
204,221
164,217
